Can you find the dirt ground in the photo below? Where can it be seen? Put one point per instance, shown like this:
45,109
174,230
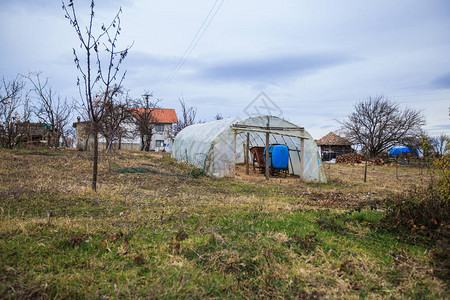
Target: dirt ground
345,187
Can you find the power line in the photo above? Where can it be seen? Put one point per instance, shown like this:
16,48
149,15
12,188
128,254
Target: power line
198,35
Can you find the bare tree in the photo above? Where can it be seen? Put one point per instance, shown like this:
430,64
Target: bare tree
144,120
378,124
10,100
11,89
439,143
51,108
68,139
116,112
188,115
98,68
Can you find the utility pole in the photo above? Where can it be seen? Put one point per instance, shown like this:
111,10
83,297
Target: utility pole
146,96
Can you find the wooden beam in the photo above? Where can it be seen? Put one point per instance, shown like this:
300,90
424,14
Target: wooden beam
267,153
271,130
234,153
243,126
246,154
302,157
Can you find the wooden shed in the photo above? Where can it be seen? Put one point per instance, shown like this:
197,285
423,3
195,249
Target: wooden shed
332,146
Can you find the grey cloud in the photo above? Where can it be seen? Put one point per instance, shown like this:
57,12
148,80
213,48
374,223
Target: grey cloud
441,127
45,4
147,70
442,82
327,126
270,69
145,60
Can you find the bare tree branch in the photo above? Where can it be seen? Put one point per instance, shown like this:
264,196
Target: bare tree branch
96,97
10,100
51,108
144,119
188,115
116,113
378,124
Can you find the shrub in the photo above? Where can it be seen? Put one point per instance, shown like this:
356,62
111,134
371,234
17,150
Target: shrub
422,210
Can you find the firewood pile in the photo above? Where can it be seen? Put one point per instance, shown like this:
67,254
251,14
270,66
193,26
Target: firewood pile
377,162
353,158
356,158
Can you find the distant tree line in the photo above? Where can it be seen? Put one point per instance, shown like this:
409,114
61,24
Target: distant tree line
27,100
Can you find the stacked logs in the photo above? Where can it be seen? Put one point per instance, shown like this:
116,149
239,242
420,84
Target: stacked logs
378,161
353,158
356,158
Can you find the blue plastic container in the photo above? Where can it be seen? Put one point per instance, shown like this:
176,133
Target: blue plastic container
279,156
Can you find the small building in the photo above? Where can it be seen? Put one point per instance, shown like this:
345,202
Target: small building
34,133
332,146
84,138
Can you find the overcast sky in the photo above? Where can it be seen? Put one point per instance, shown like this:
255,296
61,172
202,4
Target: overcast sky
313,59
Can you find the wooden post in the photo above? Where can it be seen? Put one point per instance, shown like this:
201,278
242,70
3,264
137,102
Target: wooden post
247,154
396,167
302,157
365,170
234,153
267,152
212,159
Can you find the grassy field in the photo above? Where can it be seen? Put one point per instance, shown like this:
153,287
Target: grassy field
156,229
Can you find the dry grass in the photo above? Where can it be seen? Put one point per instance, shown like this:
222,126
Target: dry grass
346,187
167,233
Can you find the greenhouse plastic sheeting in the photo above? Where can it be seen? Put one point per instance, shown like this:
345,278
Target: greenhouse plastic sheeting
210,145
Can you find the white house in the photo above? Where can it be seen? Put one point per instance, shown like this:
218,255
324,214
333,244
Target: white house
163,122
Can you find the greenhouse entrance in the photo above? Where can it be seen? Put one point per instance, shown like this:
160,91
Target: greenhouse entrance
269,151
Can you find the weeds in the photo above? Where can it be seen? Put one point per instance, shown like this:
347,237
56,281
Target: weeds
307,243
422,210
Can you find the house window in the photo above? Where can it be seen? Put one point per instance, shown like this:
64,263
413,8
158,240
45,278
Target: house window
159,128
159,143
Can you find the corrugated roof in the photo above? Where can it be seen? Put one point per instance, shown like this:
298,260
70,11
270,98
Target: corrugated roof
332,139
162,115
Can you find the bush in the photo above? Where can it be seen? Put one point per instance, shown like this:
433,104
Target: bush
424,210
421,210
424,213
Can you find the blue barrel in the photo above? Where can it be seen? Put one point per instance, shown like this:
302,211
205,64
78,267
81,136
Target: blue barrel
279,156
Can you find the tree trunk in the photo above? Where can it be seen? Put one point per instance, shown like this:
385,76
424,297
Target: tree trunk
94,169
56,140
86,143
49,139
108,144
147,143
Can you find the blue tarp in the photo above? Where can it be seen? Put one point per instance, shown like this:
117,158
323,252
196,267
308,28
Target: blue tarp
397,150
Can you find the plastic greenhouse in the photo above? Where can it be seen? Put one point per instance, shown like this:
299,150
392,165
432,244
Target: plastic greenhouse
218,145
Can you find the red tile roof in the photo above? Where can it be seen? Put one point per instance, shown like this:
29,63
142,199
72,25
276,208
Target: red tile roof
332,139
162,115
